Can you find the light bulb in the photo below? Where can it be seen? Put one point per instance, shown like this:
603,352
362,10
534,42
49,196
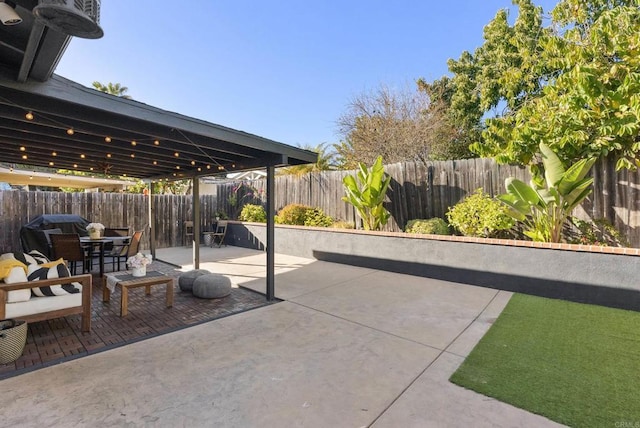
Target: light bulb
29,116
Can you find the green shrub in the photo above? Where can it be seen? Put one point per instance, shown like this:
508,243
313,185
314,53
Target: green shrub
292,214
480,215
343,225
254,213
316,217
303,215
600,231
432,226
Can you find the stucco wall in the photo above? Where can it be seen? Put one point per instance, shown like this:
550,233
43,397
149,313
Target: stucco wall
568,272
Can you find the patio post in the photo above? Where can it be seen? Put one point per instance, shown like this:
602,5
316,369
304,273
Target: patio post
196,223
270,233
152,219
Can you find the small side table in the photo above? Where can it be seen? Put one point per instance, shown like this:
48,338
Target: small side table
125,281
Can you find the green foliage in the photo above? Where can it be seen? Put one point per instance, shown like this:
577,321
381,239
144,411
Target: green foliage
366,192
545,205
254,213
572,85
292,214
325,162
432,226
480,215
303,215
343,225
241,194
597,232
316,217
112,89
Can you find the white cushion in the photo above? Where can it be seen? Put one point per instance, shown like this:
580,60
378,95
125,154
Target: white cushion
17,275
37,305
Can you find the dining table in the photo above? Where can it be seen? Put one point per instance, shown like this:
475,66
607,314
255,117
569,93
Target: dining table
101,245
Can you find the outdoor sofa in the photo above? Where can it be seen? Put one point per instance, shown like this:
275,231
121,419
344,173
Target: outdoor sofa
40,293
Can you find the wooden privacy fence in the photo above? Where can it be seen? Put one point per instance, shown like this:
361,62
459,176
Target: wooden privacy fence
417,191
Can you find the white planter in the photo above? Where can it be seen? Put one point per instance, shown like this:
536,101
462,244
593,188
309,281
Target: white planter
95,234
141,271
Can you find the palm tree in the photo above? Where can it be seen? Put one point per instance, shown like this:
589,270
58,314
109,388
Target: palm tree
112,89
325,162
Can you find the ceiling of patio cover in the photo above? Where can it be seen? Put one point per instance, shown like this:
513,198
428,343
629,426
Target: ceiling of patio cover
77,128
32,238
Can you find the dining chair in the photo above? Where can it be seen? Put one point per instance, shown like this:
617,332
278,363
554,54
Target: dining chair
121,253
46,233
188,232
68,247
219,234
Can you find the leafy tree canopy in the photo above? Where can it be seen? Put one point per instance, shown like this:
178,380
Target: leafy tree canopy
573,85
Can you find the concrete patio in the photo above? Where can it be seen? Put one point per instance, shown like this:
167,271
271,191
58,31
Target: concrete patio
348,347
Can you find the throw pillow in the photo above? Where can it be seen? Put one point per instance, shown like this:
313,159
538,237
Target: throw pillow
33,257
57,269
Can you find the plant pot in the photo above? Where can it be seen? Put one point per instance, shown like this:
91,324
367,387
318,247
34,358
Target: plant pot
141,271
13,336
95,234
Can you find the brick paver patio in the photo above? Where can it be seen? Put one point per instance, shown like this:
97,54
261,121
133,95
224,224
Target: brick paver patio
55,341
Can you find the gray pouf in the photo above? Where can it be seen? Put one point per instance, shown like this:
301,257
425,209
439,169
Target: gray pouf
185,281
211,286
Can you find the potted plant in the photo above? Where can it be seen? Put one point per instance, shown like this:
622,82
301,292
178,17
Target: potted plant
95,230
138,264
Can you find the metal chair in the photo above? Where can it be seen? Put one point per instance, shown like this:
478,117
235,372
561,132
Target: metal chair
67,246
123,252
219,234
188,232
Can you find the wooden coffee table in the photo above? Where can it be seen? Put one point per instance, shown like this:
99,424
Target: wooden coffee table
125,281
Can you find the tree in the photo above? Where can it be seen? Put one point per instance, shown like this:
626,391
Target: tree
325,162
112,89
398,125
573,85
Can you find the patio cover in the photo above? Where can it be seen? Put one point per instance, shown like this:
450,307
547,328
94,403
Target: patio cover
49,121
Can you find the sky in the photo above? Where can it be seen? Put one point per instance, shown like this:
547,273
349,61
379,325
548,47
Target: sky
284,70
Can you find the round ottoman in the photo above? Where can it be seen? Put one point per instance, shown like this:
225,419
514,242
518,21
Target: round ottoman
211,286
185,280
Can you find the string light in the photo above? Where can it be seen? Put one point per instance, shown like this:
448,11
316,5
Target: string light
75,165
82,156
51,163
23,148
177,166
133,155
155,162
208,166
193,163
24,156
29,116
176,154
133,143
70,131
107,139
54,153
156,142
108,155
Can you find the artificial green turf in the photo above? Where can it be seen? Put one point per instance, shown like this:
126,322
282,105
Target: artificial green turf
575,364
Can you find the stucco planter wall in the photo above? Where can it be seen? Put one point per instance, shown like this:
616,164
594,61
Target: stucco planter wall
602,275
